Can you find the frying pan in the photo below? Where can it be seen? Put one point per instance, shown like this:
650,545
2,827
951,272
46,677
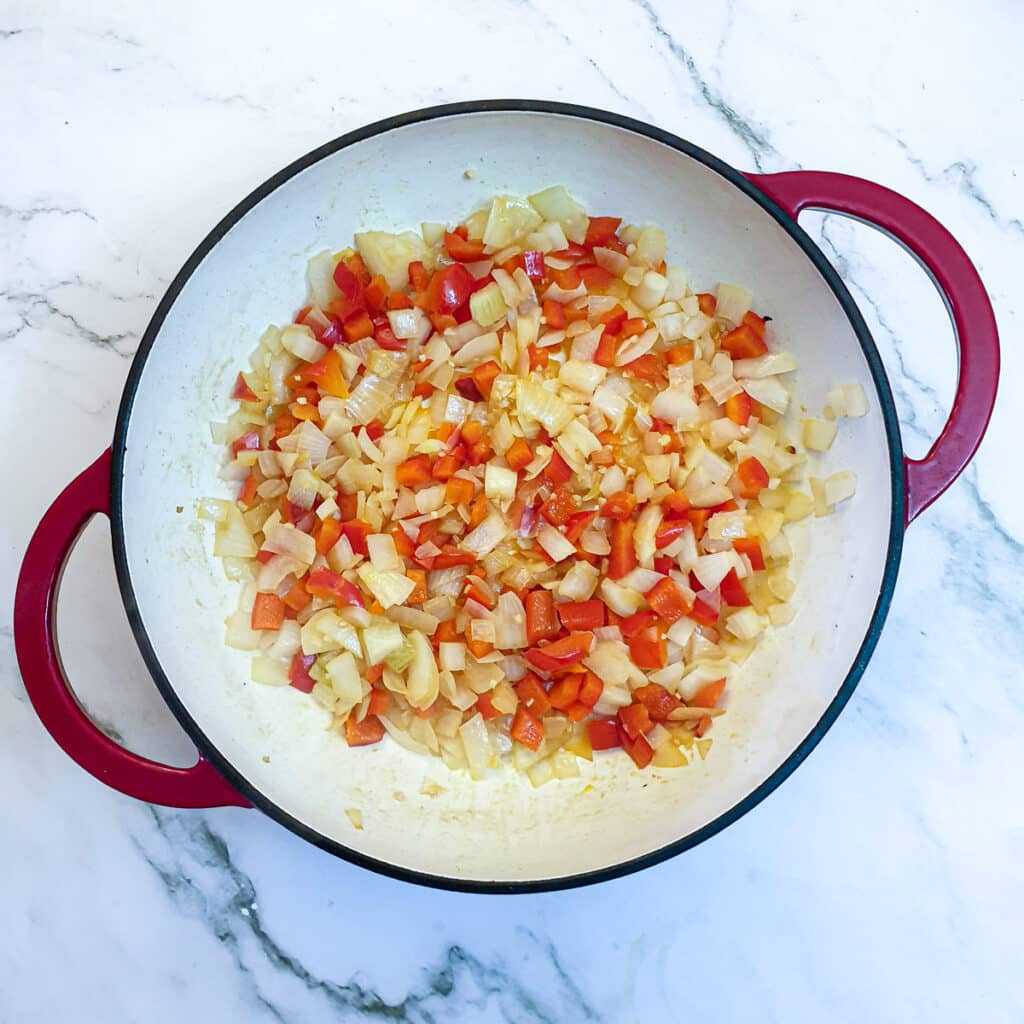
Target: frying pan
270,747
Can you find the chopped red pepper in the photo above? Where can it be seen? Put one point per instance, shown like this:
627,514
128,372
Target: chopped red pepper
590,689
532,695
576,524
569,650
385,338
743,343
267,612
707,303
248,442
635,720
668,601
330,586
327,375
533,264
459,490
554,314
753,476
565,690
484,375
703,612
519,455
450,558
414,471
464,250
377,293
613,319
658,701
348,284
600,230
737,408
466,387
698,518
298,673
680,354
541,621
449,289
362,734
526,729
596,278
328,535
648,648
559,507
633,624
577,615
243,392
296,599
638,749
486,707
708,695
732,591
418,276
751,547
754,322
357,531
669,531
619,505
557,470
604,734
568,279
607,347
357,327
622,558
647,367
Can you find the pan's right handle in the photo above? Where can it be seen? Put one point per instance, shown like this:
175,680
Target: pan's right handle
961,288
34,637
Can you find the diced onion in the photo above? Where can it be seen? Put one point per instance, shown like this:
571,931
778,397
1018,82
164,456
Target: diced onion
712,569
768,391
847,400
650,292
487,306
732,303
409,323
486,536
745,624
476,745
650,246
299,340
839,487
765,366
818,435
579,583
500,483
555,543
346,682
555,204
268,671
390,255
581,376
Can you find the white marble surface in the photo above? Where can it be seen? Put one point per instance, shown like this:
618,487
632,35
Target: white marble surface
883,882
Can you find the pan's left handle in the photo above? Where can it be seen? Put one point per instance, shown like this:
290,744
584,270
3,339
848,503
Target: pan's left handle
38,655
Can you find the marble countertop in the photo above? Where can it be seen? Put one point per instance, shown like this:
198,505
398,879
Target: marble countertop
883,882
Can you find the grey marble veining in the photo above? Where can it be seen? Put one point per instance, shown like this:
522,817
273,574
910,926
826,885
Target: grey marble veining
884,881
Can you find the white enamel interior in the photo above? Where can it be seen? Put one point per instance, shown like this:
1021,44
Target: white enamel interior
499,830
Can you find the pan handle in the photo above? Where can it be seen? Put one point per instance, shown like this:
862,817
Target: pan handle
959,285
35,639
